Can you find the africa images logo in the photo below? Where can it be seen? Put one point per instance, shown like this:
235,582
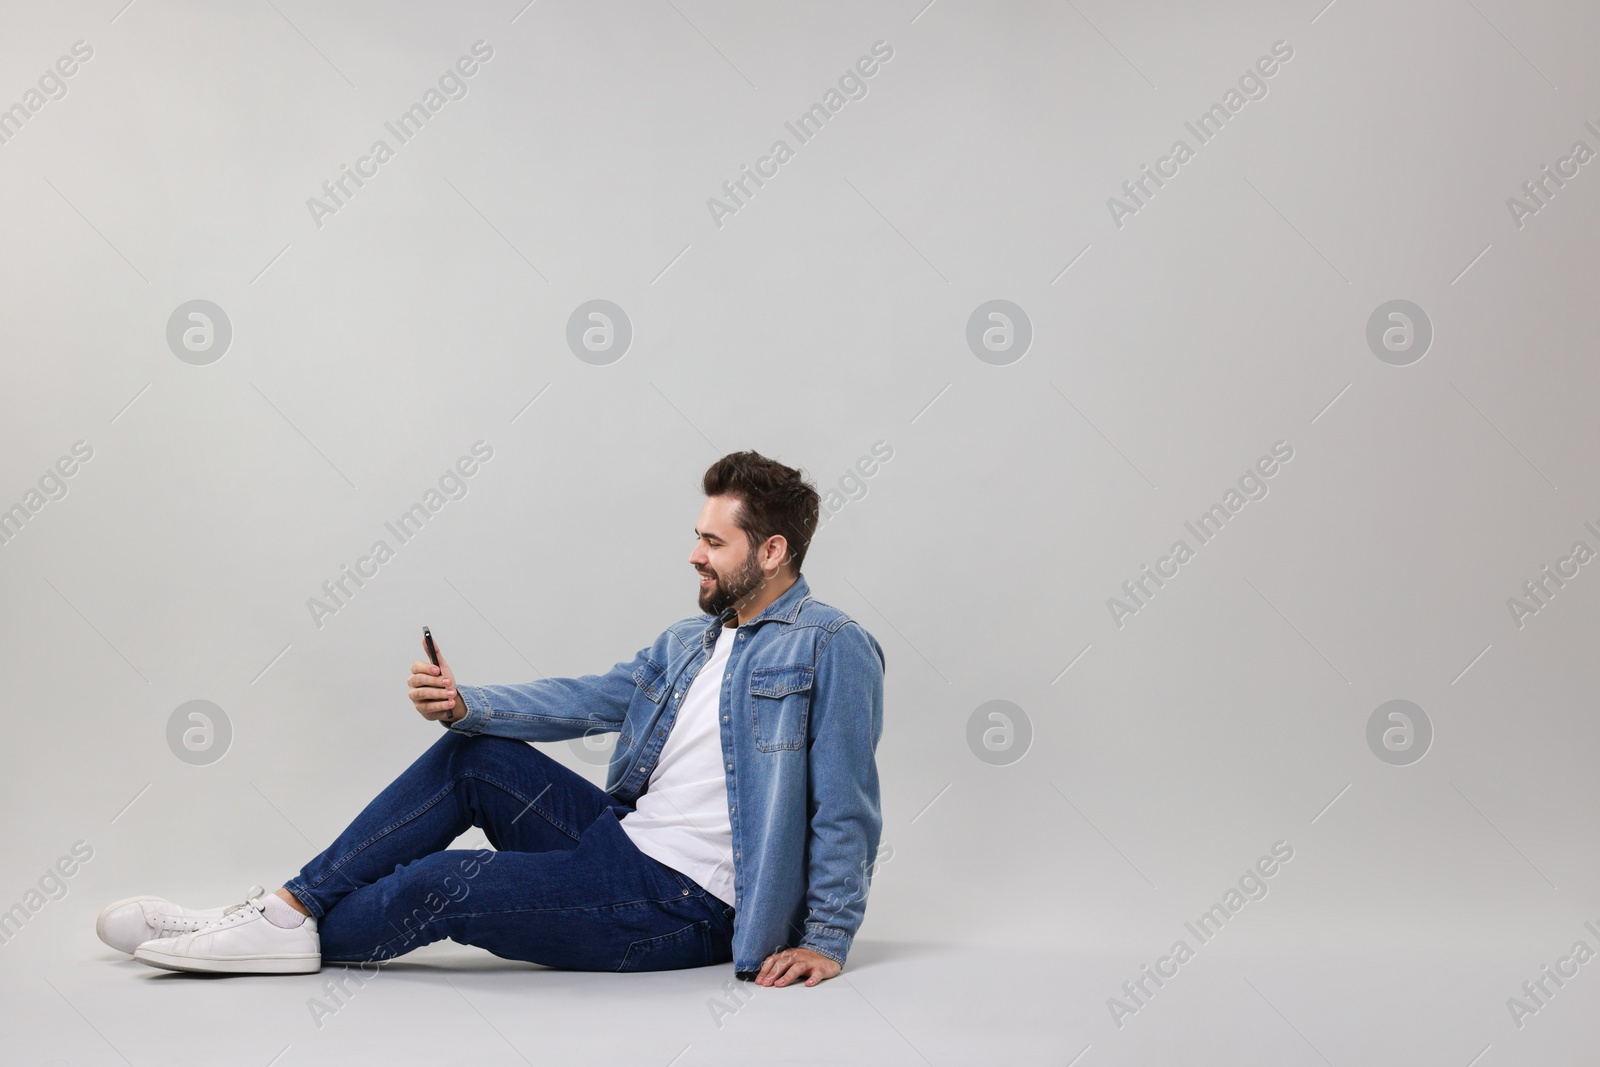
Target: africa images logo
1252,85
452,85
1140,590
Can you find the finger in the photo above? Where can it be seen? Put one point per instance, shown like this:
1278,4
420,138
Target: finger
435,709
780,963
766,969
422,666
431,687
797,969
782,975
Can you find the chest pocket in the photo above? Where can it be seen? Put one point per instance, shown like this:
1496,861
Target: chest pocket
651,678
780,703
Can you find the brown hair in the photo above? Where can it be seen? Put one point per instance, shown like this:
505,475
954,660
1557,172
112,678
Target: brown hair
774,499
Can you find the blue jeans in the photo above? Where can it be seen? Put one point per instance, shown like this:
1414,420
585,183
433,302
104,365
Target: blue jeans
565,886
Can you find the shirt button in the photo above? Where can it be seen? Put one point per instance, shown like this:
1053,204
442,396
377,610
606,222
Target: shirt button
730,766
724,718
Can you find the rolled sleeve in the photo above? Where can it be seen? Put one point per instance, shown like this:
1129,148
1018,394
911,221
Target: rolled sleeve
476,719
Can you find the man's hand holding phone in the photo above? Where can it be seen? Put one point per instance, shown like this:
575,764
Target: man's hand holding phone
432,685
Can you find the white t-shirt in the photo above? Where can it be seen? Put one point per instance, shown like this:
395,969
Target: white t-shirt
682,818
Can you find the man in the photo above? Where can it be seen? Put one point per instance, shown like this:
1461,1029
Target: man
740,818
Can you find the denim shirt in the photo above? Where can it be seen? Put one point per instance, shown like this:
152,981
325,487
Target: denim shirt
801,709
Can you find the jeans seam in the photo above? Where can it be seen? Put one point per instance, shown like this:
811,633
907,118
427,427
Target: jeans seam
611,906
334,868
302,892
700,926
691,887
532,805
431,803
430,920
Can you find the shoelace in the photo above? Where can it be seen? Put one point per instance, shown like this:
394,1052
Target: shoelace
177,925
233,913
168,925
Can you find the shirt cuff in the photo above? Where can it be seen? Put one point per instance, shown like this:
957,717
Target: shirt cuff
829,941
476,720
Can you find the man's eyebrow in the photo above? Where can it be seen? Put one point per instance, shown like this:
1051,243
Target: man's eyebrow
708,533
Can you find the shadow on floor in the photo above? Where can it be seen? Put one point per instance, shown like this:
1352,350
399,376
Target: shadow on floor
449,958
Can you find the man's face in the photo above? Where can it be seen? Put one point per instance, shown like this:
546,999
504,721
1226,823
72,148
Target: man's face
729,571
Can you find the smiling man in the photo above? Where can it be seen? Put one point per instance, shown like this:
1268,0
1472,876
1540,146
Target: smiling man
740,819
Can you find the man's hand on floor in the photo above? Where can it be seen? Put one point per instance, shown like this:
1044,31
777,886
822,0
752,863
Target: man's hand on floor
433,690
792,964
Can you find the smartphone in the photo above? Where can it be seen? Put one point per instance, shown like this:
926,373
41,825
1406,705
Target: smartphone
433,657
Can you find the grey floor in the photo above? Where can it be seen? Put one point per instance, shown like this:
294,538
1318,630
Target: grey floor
71,1001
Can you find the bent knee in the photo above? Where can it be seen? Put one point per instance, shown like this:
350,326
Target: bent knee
465,753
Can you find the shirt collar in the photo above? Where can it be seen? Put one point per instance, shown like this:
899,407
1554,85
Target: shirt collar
784,609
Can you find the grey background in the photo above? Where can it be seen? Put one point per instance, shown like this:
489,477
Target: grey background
830,313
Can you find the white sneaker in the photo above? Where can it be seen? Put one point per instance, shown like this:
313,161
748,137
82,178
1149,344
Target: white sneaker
129,923
242,941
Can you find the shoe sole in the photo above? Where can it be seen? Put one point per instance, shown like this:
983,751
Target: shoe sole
299,964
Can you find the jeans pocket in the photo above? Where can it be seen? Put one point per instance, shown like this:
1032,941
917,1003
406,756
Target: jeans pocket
689,946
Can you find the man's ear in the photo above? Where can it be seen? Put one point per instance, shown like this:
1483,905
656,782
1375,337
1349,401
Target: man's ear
779,553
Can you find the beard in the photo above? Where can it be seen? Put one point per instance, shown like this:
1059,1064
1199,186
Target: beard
727,590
